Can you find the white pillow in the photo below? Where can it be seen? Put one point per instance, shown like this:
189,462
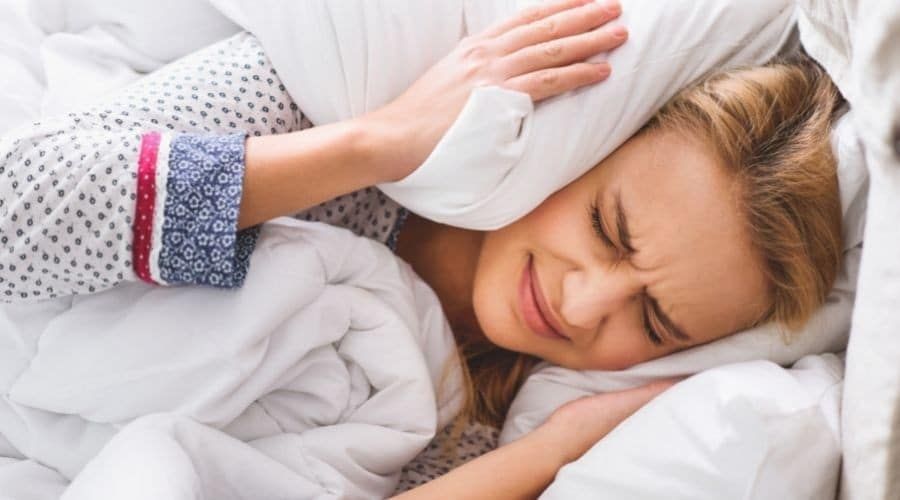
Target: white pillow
341,59
549,387
747,431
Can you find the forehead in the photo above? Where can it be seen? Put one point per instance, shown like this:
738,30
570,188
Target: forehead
693,251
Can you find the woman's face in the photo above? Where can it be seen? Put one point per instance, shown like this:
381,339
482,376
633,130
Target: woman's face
665,266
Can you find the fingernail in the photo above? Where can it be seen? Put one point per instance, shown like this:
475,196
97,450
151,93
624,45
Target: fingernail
613,7
618,32
603,68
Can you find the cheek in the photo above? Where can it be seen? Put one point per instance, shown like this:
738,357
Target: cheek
626,351
495,286
557,210
619,354
620,345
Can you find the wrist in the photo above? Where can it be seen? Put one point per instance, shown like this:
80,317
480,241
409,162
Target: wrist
555,439
386,146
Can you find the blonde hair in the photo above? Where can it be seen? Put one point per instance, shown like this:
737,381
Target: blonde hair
771,127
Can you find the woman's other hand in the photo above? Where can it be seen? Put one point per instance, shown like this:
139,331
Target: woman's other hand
576,426
530,463
540,51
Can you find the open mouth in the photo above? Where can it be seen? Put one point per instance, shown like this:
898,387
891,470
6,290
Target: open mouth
534,308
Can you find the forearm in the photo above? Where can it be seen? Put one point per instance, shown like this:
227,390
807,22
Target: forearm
524,468
287,173
101,207
139,188
521,469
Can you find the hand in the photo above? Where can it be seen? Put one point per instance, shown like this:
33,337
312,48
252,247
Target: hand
578,425
539,52
531,462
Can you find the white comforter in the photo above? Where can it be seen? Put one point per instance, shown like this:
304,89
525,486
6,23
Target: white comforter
318,379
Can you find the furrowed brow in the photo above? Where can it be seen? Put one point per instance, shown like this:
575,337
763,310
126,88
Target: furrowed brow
622,225
625,240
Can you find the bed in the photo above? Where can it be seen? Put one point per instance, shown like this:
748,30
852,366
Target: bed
773,426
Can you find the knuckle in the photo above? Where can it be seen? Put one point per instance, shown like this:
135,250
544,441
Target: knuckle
552,50
533,14
475,52
548,78
548,27
476,67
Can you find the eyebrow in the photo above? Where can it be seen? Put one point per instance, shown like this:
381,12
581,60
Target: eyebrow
625,239
667,322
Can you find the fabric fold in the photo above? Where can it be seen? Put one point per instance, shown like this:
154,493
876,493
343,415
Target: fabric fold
325,371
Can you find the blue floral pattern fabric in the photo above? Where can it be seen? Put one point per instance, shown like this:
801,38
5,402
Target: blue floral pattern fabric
200,241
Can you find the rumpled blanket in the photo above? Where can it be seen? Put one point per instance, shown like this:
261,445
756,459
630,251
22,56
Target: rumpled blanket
320,378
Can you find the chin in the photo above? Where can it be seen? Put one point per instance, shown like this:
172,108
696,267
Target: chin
490,322
496,319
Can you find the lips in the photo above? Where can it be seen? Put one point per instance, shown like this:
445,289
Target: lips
535,311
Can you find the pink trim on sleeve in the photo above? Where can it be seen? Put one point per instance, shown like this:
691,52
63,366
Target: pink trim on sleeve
146,199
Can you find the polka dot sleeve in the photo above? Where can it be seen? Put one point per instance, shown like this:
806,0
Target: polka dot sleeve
66,206
164,212
145,185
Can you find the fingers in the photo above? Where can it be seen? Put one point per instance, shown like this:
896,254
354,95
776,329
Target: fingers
653,389
579,424
623,404
531,15
561,52
562,24
544,58
550,82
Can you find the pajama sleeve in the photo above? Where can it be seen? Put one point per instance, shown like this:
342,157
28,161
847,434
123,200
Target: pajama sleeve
144,185
83,208
188,200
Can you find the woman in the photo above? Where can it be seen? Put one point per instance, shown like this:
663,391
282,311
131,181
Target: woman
604,274
720,214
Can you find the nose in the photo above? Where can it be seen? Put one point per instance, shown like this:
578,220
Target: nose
589,296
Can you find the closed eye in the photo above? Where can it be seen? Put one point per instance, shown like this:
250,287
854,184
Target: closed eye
597,223
648,328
